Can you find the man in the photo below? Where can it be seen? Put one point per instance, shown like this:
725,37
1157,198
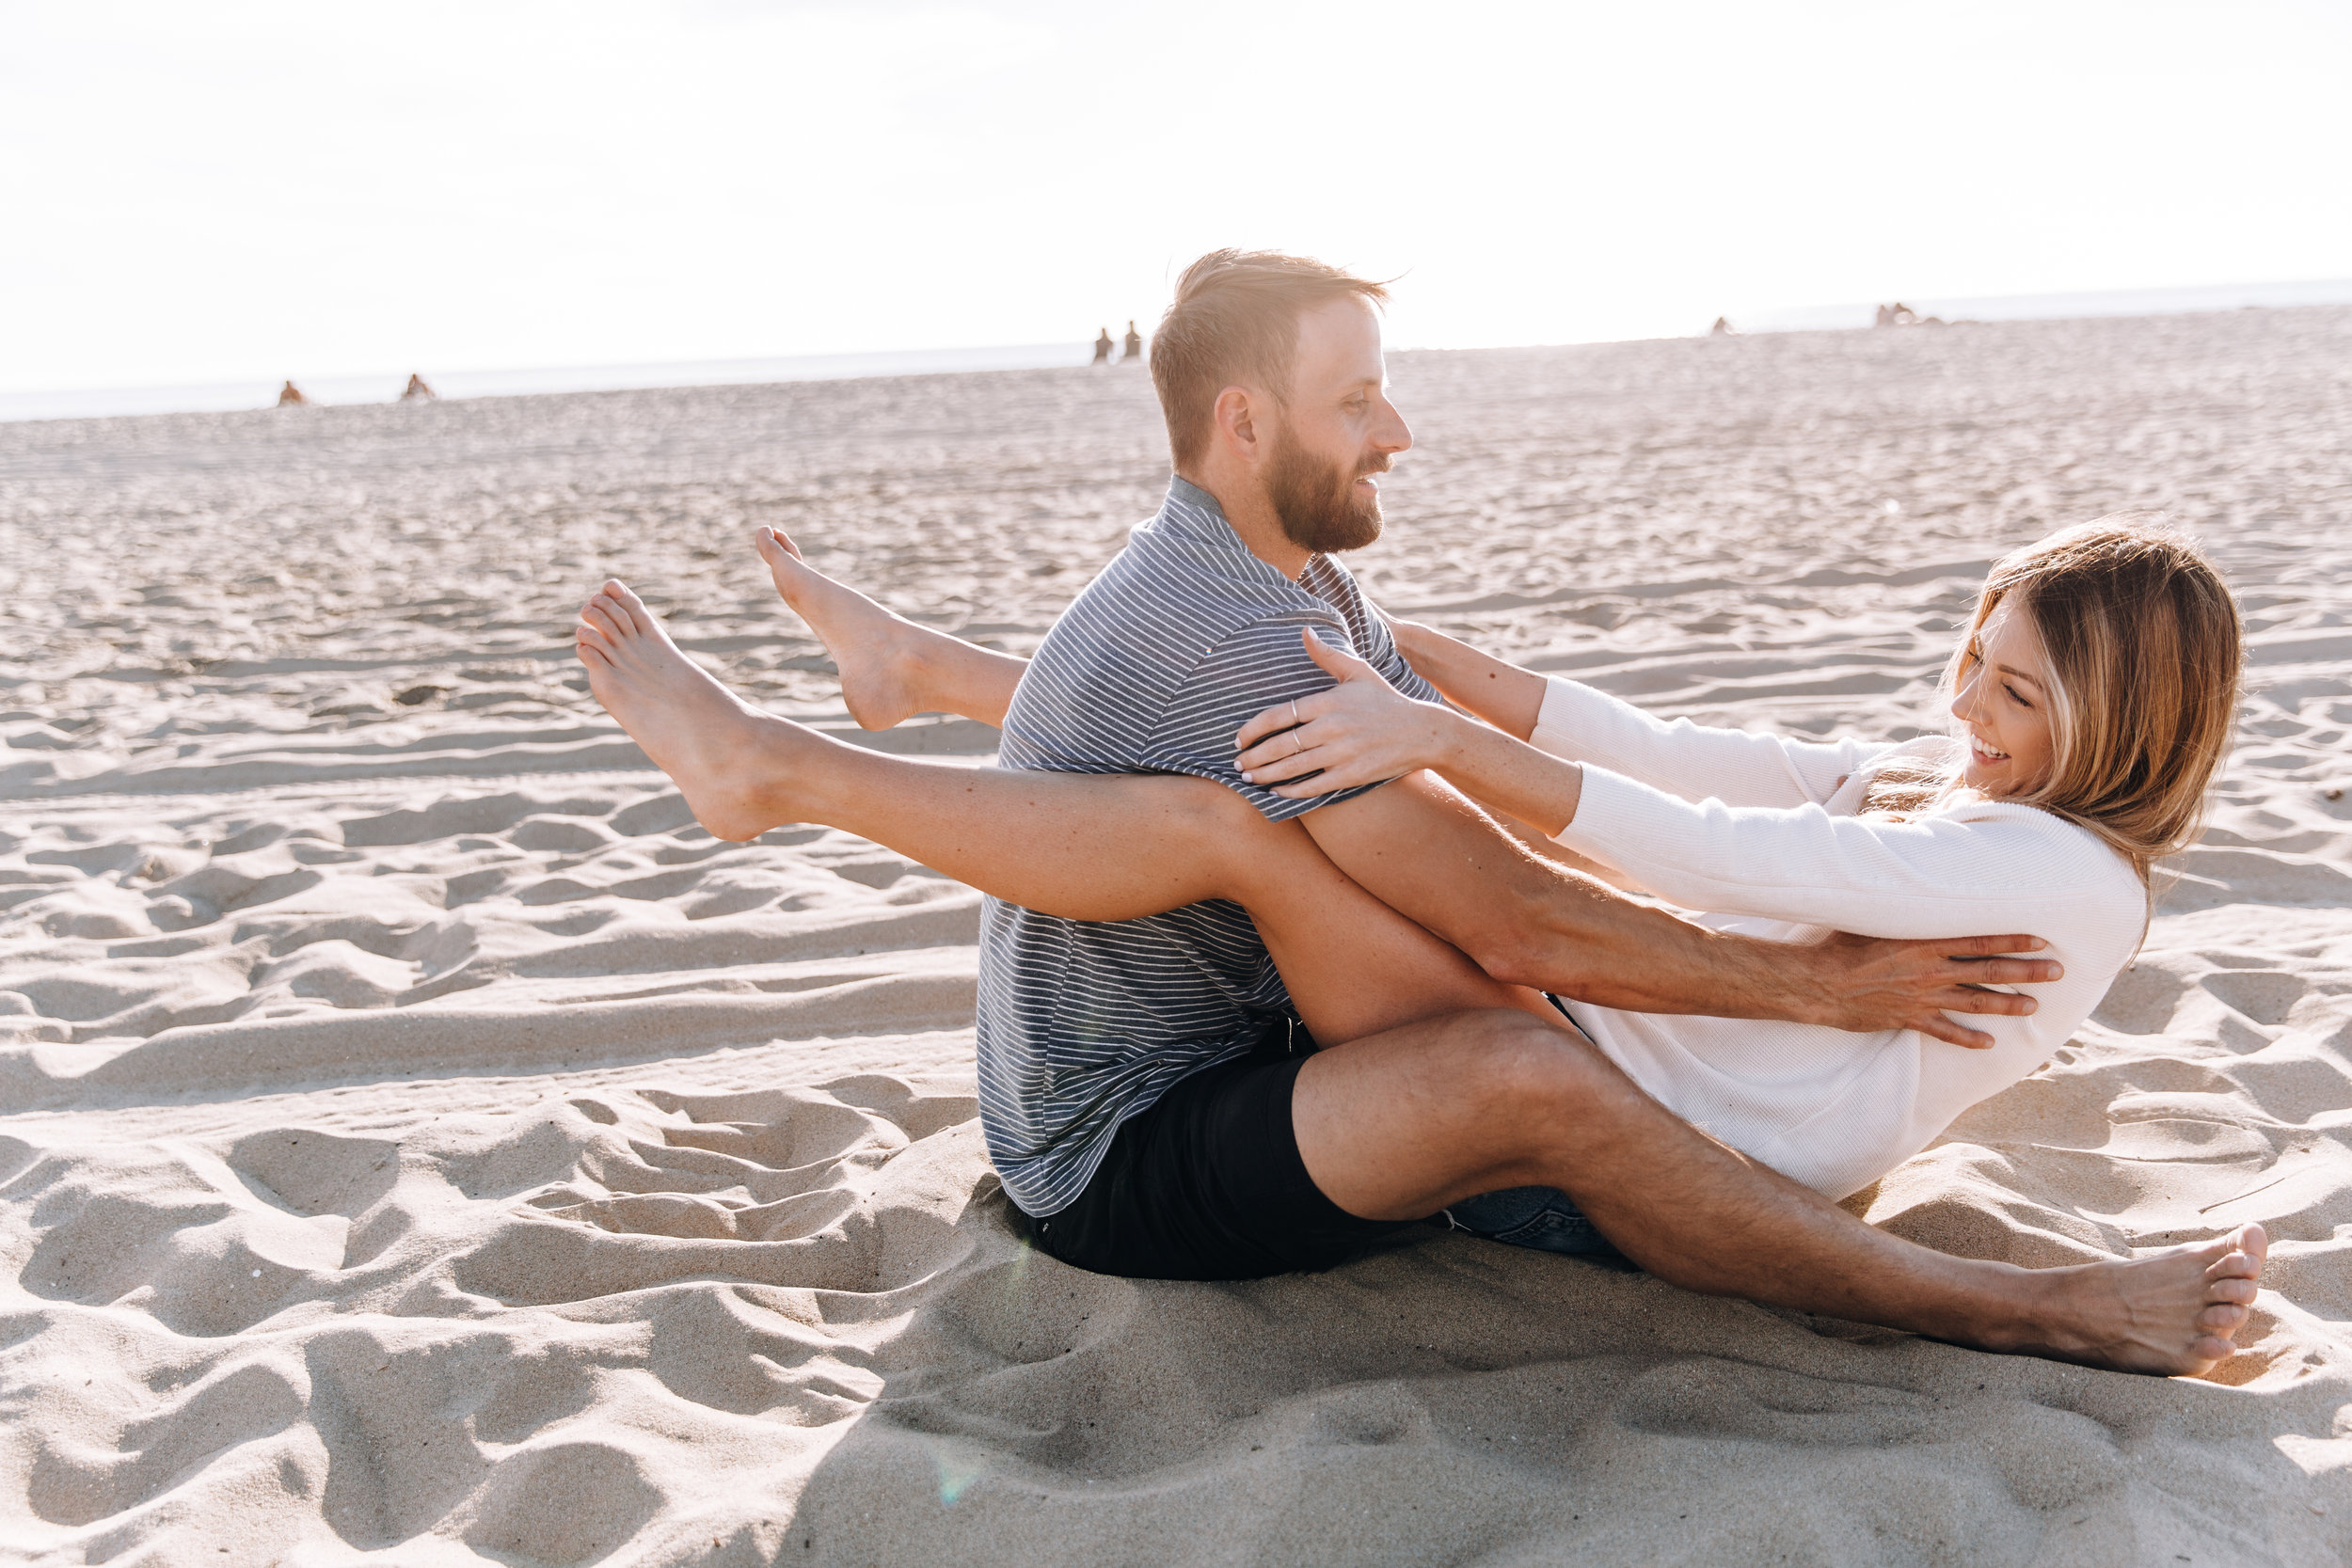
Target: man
1144,1094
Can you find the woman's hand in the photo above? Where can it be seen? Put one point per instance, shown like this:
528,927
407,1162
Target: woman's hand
1362,731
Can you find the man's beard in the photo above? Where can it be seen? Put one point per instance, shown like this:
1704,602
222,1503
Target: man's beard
1316,501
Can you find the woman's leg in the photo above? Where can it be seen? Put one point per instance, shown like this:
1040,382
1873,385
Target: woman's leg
1086,846
890,669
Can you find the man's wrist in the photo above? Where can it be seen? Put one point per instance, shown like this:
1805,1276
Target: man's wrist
1810,985
1790,981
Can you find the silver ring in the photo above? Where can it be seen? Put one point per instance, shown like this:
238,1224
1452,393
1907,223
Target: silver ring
1294,713
1297,745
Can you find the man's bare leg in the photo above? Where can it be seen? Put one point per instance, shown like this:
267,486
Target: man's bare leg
1398,1123
891,668
1404,1123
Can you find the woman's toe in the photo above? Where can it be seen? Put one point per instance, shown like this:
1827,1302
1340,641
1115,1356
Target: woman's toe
634,606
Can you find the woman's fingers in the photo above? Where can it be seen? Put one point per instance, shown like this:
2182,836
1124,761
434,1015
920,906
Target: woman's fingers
1276,720
1263,725
1346,666
1284,716
1291,757
1328,774
1325,770
1282,757
1361,729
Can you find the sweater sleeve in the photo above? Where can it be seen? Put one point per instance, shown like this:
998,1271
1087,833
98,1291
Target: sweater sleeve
1742,767
1984,869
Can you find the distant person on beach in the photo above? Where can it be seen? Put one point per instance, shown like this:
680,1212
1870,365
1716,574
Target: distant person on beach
416,389
1135,344
1103,346
1230,1026
1723,328
290,396
1899,315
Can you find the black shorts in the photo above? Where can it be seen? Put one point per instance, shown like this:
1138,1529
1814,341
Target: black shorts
1208,1184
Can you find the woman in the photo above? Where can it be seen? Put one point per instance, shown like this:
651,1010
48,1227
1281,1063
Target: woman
2096,684
2091,695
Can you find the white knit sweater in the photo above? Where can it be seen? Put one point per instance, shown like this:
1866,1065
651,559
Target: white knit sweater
1761,833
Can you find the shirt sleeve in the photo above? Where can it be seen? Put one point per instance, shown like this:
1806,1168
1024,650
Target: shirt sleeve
1740,768
1990,871
1256,668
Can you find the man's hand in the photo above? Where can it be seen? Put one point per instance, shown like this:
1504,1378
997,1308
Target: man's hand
1868,983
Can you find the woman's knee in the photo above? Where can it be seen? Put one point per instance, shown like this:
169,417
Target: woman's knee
1250,853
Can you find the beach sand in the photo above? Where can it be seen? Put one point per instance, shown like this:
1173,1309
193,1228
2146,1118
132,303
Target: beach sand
421,1140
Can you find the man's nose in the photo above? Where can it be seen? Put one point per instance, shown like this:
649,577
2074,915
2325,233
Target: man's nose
1393,434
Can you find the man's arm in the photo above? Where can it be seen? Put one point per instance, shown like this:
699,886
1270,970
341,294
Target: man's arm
1423,850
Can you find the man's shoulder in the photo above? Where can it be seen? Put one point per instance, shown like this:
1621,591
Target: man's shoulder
1163,595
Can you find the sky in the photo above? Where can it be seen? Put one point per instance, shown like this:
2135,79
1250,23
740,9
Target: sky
249,188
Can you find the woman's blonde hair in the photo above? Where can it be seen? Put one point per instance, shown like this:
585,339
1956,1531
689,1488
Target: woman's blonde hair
2144,649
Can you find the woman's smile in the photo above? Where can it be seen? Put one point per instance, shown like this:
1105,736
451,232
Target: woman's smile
2003,700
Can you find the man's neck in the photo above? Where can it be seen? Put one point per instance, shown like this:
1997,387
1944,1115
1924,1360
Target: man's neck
1253,518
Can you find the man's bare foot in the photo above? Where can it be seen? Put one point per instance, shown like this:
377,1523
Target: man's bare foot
2172,1314
879,655
733,764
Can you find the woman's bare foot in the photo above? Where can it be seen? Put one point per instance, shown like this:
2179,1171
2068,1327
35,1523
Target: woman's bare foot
734,765
880,656
2172,1314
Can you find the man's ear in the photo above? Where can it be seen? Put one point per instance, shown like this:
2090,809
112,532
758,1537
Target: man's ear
1236,415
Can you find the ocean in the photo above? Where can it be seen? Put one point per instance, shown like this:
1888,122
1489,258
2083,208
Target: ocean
384,387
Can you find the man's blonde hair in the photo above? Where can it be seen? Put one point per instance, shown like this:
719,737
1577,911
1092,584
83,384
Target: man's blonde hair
2145,651
1236,319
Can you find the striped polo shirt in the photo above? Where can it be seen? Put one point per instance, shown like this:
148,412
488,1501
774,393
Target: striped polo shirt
1183,638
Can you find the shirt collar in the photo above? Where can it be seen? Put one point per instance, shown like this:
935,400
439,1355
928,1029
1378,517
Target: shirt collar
1191,513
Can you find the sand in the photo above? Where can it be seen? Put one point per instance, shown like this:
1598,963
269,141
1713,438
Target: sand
421,1140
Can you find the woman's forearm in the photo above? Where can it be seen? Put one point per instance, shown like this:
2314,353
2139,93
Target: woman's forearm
1509,697
1509,776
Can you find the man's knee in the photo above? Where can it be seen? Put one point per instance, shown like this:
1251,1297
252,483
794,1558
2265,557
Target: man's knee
1506,1064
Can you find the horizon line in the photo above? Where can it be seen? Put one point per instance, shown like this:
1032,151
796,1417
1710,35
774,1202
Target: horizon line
251,392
